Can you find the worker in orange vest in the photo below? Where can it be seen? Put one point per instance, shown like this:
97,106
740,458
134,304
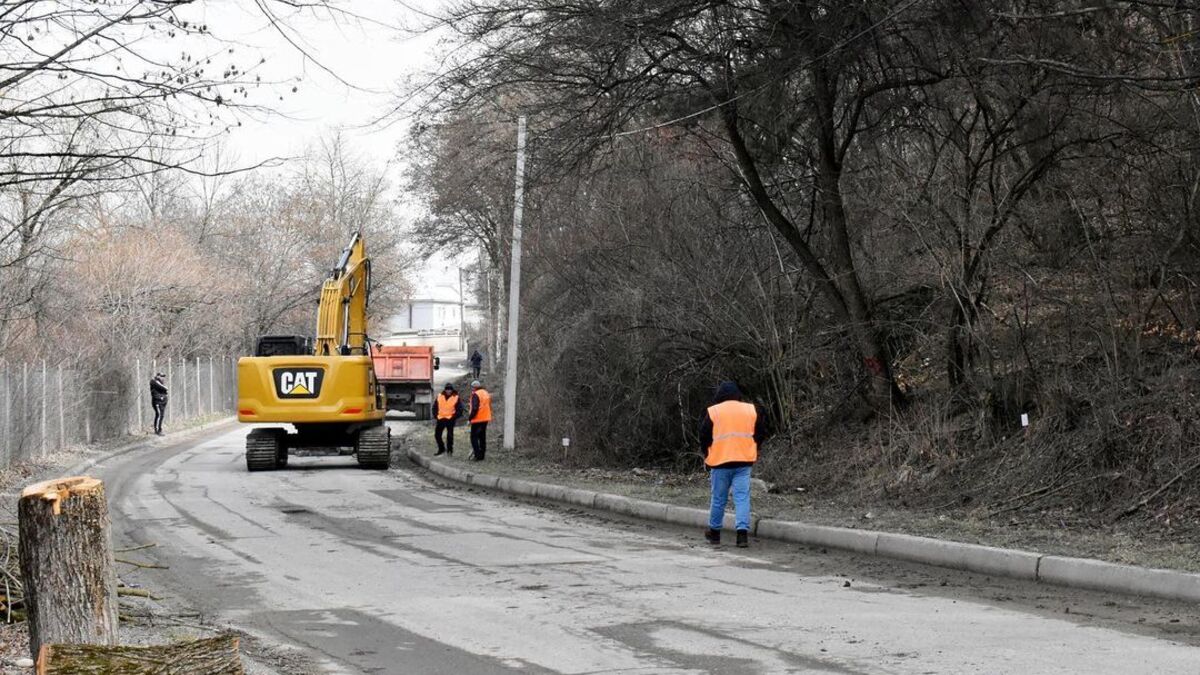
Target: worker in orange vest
481,414
448,412
730,432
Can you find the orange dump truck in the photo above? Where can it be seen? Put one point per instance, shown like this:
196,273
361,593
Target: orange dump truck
406,374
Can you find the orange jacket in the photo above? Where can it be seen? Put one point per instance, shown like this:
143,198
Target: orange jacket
447,407
481,408
733,424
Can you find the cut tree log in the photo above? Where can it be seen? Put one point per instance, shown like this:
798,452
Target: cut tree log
67,563
210,656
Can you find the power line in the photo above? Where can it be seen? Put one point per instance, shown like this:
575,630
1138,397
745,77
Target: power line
697,113
832,50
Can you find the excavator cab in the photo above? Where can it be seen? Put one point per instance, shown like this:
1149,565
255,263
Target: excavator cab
283,345
326,388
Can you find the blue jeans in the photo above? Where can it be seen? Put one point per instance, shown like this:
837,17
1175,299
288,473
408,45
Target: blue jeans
724,478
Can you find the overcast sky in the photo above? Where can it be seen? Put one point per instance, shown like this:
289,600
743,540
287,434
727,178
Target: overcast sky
348,73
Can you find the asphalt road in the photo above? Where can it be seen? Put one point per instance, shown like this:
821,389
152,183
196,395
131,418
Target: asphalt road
392,572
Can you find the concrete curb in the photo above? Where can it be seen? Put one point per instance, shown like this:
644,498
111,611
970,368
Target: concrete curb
859,541
1105,576
1086,573
84,465
956,555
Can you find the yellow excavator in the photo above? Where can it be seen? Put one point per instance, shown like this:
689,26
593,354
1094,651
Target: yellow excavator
326,389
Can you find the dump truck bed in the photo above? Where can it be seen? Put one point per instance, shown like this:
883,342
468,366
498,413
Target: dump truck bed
404,364
406,374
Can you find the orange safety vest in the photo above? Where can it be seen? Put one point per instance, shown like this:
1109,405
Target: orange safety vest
484,414
733,433
447,407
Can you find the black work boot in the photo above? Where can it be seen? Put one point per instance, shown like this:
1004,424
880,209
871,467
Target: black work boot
743,539
712,536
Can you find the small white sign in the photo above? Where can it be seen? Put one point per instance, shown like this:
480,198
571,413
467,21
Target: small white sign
566,442
1024,419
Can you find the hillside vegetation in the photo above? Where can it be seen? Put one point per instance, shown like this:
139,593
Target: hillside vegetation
902,227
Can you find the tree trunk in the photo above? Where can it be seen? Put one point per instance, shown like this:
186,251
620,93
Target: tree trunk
67,563
959,346
211,656
876,358
839,279
501,324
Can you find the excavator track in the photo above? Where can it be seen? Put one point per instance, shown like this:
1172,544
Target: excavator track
374,448
263,449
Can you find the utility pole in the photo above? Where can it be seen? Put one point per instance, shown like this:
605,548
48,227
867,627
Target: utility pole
514,296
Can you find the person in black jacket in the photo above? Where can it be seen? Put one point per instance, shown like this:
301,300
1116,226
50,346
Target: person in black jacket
448,408
476,363
158,400
479,415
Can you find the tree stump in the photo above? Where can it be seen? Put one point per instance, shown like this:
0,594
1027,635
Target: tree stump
67,563
210,656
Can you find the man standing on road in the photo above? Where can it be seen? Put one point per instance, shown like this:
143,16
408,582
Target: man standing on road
481,414
476,363
730,432
158,400
448,410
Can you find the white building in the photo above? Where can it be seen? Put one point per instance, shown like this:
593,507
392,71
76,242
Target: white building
434,318
428,314
435,315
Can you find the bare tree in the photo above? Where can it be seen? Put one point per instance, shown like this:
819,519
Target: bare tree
104,97
462,168
783,89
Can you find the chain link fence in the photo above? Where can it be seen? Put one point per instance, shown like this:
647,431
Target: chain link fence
46,407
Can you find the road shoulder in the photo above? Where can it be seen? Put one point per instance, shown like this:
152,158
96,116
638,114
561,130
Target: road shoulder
1069,571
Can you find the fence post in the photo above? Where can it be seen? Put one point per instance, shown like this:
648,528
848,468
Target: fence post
170,388
131,416
24,402
8,427
212,405
62,421
199,388
183,376
7,416
137,395
44,397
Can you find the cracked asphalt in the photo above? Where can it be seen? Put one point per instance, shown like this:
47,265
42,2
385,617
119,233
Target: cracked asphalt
353,571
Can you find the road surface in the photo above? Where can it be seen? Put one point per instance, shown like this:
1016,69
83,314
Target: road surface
392,572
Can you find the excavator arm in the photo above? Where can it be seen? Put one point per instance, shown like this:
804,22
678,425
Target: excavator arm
345,295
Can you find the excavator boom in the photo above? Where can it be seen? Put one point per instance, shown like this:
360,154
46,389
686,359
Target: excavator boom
345,295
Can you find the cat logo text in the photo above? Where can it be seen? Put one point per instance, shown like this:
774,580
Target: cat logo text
298,382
